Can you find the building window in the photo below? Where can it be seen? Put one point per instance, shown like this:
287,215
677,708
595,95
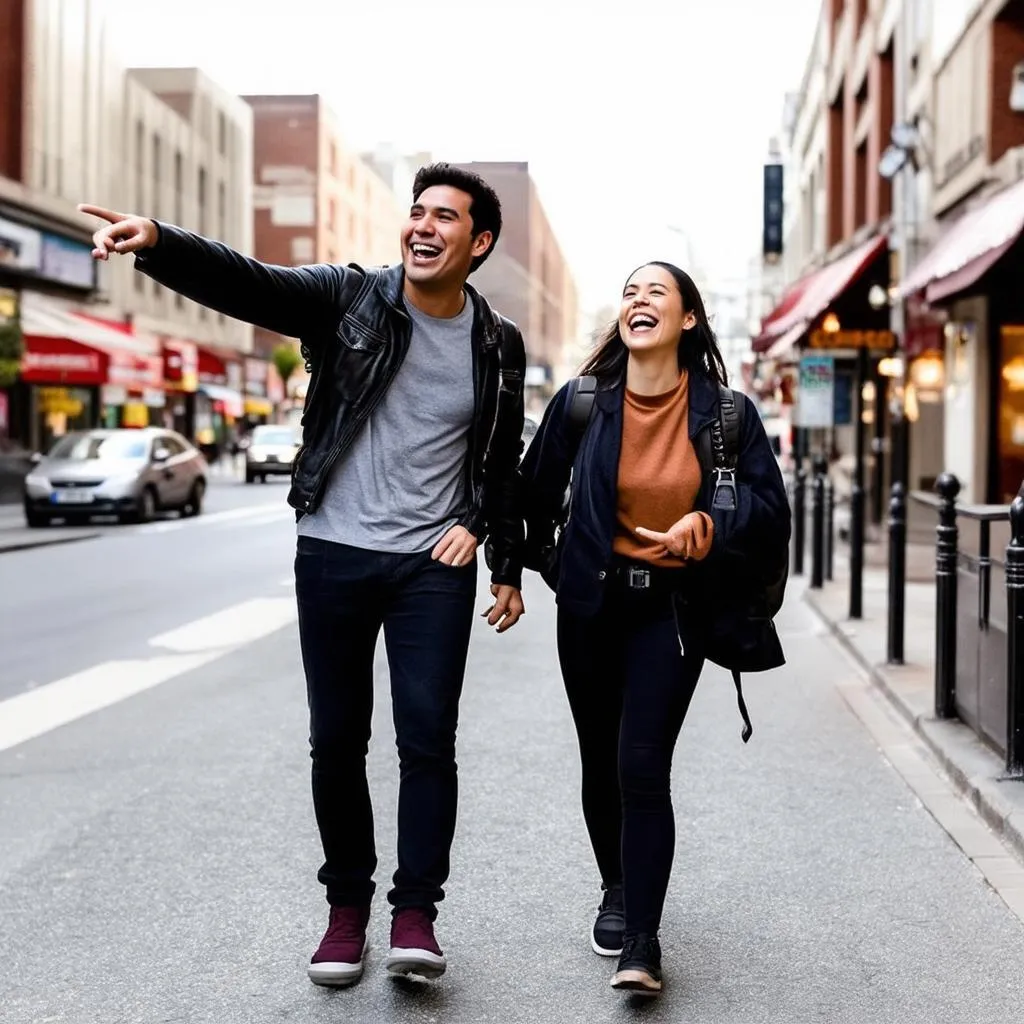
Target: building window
179,185
333,160
861,186
202,200
156,175
222,210
332,216
140,165
222,133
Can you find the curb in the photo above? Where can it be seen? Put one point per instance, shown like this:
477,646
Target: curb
44,542
976,772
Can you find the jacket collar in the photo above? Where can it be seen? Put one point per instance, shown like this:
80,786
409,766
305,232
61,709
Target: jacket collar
703,400
391,280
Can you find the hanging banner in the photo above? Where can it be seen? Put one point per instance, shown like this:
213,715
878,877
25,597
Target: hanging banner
816,391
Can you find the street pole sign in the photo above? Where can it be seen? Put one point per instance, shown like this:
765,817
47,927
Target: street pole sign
816,391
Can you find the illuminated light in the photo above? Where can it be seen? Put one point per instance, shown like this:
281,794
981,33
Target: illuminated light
928,372
1013,373
890,366
867,392
831,325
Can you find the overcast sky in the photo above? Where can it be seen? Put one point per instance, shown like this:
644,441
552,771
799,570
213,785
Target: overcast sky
644,116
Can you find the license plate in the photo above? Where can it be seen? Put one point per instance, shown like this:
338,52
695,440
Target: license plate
272,458
72,498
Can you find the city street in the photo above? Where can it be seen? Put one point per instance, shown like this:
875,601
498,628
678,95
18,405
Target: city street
159,852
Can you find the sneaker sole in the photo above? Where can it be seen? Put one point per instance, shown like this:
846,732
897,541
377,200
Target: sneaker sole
601,950
418,963
638,983
337,974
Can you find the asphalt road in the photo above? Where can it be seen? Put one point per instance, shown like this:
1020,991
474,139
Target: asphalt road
158,853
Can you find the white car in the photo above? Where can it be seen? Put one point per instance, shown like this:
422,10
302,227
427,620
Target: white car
270,452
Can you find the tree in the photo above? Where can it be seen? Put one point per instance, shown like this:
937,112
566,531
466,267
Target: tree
286,360
11,350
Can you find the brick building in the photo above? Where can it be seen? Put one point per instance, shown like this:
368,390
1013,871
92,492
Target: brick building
527,277
315,200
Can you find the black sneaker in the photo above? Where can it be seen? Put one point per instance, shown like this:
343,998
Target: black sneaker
606,935
639,970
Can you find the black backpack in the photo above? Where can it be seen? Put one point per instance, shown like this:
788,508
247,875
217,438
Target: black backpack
741,635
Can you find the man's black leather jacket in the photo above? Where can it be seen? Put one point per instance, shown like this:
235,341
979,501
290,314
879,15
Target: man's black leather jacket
355,332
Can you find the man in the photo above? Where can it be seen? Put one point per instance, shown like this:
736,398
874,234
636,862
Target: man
411,437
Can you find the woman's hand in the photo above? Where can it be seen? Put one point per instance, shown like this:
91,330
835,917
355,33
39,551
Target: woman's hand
691,537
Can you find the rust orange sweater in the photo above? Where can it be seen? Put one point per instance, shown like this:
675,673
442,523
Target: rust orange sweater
659,475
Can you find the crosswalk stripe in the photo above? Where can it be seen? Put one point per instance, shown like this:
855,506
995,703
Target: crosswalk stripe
186,648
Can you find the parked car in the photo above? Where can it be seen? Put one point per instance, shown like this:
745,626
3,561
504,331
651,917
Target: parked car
270,451
132,474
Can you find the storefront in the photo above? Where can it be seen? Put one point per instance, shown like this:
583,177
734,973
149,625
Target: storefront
827,314
971,279
181,382
259,405
219,401
78,372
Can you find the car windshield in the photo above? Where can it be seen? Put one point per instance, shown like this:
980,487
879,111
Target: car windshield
86,447
273,435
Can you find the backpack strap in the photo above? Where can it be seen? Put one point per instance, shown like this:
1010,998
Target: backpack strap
582,392
725,448
748,729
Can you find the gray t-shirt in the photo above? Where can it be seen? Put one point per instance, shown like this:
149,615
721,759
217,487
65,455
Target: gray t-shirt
402,484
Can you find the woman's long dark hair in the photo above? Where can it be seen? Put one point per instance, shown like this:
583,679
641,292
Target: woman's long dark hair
698,347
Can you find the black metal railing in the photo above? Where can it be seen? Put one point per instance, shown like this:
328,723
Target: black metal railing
979,656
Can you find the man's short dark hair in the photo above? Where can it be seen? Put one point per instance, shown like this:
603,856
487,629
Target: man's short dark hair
484,209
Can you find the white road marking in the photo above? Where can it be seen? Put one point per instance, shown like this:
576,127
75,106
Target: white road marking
240,624
212,518
38,711
44,708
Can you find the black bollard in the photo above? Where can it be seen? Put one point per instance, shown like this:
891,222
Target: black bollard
857,498
799,518
897,573
830,526
947,536
1015,640
818,524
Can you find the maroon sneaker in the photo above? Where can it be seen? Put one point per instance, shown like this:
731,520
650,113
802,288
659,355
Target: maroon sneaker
414,950
339,960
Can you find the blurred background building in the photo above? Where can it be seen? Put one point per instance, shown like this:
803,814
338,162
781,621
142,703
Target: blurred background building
528,280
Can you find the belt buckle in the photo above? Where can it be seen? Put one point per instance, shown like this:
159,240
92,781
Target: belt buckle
638,578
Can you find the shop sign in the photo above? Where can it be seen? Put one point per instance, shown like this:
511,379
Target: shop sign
59,400
837,340
46,255
816,391
52,360
20,247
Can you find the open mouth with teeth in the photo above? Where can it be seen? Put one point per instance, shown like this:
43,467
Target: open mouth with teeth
422,253
641,323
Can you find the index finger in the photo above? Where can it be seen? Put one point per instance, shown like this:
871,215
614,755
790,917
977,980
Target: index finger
661,538
102,212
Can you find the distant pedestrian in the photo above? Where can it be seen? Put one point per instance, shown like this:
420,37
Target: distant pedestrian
648,571
412,433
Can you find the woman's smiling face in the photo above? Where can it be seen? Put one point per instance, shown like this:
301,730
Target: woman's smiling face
652,315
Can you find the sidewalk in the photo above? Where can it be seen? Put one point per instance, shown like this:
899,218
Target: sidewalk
16,536
973,767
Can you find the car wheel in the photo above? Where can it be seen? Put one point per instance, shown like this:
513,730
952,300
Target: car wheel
250,476
194,505
145,510
36,519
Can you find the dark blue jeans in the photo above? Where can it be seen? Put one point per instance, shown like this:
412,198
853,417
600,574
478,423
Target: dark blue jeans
346,595
629,688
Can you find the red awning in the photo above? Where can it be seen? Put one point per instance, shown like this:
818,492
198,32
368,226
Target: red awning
61,361
969,248
64,346
806,300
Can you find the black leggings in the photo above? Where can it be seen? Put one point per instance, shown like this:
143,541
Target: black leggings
629,687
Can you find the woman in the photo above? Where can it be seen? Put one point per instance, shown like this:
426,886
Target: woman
637,559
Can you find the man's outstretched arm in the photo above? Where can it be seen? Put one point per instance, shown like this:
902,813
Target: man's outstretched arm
293,301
